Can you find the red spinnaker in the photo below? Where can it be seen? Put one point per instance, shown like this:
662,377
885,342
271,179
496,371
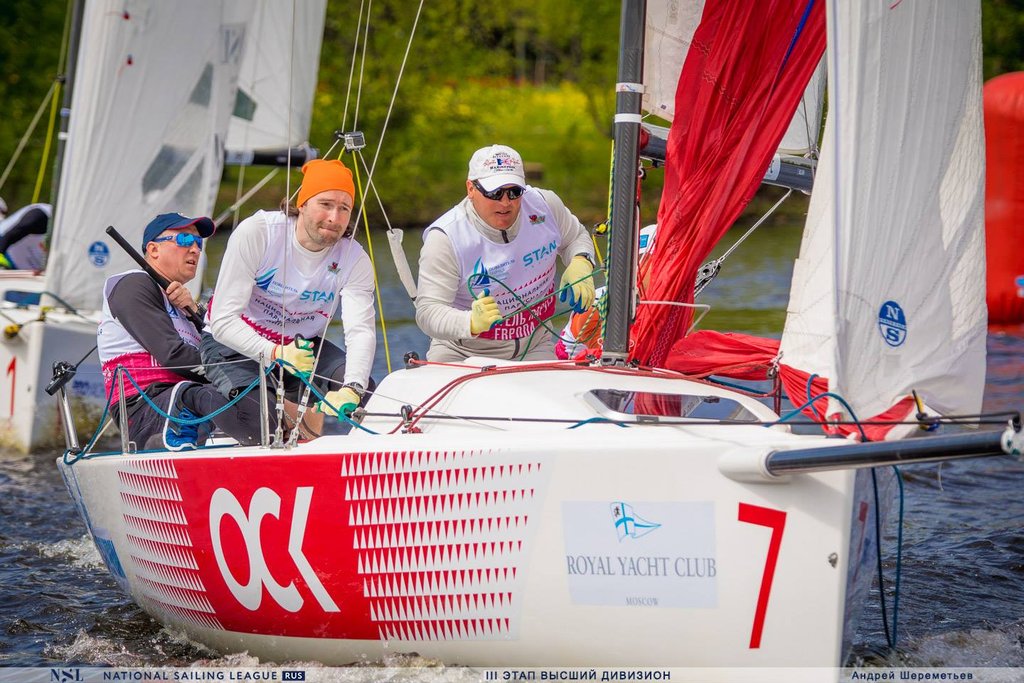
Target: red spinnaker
740,85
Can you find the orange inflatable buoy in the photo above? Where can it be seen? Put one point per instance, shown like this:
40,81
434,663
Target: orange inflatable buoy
1004,198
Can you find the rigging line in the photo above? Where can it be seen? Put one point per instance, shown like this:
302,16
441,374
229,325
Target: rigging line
352,68
28,133
390,110
755,226
664,420
835,105
890,638
362,65
289,238
373,263
291,91
54,98
493,371
394,93
671,420
239,201
899,555
304,402
372,186
528,307
234,209
64,42
434,413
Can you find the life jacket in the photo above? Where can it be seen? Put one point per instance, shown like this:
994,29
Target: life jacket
117,347
516,273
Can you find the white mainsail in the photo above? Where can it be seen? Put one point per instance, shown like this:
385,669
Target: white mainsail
669,33
154,90
888,293
278,76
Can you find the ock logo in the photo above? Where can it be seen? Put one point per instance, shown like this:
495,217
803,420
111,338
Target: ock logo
265,502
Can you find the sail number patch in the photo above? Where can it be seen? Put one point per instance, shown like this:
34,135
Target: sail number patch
892,323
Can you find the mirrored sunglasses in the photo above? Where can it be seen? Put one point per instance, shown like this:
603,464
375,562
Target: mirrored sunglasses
514,192
182,239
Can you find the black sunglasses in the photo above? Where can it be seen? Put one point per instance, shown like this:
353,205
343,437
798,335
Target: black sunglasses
514,192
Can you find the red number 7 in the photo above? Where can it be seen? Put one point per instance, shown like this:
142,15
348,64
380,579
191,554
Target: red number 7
776,521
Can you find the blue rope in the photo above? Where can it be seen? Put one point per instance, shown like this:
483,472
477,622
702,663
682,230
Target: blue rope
811,399
796,35
85,453
890,636
198,420
95,435
597,419
730,385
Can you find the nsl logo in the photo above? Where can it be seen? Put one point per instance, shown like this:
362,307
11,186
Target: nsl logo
65,675
266,502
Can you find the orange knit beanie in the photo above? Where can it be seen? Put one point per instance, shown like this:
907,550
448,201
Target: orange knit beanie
321,175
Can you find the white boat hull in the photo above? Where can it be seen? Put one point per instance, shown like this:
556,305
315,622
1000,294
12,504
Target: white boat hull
538,546
33,338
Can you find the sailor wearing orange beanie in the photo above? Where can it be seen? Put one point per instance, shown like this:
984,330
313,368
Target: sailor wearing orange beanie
283,276
328,183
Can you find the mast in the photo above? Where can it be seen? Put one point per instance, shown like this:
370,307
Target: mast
74,38
622,246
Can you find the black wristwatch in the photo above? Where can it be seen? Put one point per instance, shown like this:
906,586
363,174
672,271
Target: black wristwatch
356,387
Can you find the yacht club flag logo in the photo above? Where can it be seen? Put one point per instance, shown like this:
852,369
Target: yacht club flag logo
628,524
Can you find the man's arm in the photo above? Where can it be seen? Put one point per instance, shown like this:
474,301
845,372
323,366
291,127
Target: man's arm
359,322
138,305
235,281
439,276
575,238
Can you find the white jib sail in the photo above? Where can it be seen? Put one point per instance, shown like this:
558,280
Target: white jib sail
154,89
888,293
278,76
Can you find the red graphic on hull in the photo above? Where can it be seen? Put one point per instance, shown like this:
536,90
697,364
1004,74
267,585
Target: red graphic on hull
403,546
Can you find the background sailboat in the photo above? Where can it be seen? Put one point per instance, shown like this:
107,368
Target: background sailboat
155,86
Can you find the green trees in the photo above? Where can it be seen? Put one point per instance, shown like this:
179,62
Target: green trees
30,48
535,74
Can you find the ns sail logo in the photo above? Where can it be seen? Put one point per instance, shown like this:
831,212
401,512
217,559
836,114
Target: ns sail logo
892,323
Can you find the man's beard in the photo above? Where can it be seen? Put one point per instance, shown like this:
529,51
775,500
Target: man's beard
327,239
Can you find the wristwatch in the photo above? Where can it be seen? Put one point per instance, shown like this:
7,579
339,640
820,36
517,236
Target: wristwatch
588,257
358,388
